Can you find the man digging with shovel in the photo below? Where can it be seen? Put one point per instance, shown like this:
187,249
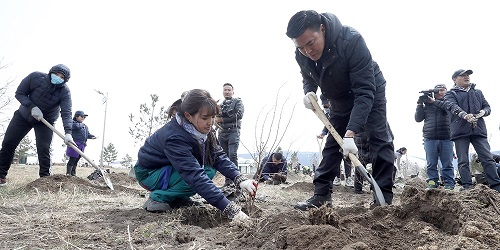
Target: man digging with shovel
336,59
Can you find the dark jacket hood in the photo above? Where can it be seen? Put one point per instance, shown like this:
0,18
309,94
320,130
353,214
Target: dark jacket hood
333,27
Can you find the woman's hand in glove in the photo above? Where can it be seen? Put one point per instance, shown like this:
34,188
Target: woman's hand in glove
250,186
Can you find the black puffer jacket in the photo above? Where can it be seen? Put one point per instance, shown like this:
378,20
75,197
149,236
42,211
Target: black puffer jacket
36,90
471,102
436,120
349,77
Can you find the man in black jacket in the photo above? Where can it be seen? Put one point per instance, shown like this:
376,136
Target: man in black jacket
229,122
336,59
468,107
437,144
41,96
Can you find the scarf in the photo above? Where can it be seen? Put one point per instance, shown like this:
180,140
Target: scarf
189,127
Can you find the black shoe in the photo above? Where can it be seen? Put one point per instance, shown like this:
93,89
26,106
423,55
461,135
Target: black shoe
315,201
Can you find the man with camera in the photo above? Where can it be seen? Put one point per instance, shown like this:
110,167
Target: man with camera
431,108
468,106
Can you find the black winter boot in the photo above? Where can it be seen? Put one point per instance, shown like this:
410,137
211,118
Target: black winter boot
315,201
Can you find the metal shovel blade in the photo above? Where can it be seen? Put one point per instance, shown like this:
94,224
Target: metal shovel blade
103,172
379,197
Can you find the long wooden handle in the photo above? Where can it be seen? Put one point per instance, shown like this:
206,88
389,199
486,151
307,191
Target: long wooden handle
104,174
354,159
317,110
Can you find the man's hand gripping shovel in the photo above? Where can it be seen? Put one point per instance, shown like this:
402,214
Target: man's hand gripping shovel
104,173
379,197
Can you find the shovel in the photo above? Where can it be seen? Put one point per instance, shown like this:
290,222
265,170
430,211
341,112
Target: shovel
103,172
379,197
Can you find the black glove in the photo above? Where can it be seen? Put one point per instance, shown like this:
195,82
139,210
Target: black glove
422,99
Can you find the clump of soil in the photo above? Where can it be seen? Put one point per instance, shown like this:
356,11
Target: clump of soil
419,219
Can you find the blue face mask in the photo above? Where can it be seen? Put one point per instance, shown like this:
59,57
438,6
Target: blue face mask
54,79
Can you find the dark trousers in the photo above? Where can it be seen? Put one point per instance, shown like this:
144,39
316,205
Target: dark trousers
381,150
17,129
230,141
482,148
71,166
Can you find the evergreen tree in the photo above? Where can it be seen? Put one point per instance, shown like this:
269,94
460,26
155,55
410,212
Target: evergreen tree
21,152
127,161
110,154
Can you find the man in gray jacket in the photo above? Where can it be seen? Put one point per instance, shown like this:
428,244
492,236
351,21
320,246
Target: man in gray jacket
41,96
468,107
229,122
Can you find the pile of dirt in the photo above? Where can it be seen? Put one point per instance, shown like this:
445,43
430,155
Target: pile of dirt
59,182
420,219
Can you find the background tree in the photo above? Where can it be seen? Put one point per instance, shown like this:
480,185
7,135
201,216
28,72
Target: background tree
5,100
127,161
270,129
110,154
294,160
21,152
149,120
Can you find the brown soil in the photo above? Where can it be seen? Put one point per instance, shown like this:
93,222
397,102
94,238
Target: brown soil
418,219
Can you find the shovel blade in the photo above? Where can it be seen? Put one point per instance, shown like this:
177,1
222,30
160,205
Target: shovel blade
377,193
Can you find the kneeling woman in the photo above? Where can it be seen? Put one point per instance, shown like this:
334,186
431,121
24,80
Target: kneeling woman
181,158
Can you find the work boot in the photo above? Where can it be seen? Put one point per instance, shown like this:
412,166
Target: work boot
315,201
156,206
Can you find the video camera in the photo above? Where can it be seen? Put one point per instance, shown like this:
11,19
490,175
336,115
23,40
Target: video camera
429,92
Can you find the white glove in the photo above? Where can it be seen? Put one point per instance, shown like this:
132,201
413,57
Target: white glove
240,217
480,114
307,102
470,118
250,186
36,113
69,139
349,146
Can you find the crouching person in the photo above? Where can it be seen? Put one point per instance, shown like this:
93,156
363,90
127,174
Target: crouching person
181,158
274,169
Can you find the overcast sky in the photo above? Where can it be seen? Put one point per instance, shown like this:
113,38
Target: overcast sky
131,49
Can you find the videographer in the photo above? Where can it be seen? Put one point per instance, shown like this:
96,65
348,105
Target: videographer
431,108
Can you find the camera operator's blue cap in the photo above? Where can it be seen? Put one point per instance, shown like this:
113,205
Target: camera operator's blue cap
461,72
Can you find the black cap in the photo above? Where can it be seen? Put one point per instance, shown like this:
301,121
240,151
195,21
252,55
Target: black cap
80,113
440,86
461,72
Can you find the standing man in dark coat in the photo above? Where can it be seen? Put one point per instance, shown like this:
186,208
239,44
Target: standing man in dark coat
436,131
335,58
468,106
41,96
229,122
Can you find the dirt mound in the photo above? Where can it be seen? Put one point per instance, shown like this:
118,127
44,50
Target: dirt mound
418,219
300,186
59,182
